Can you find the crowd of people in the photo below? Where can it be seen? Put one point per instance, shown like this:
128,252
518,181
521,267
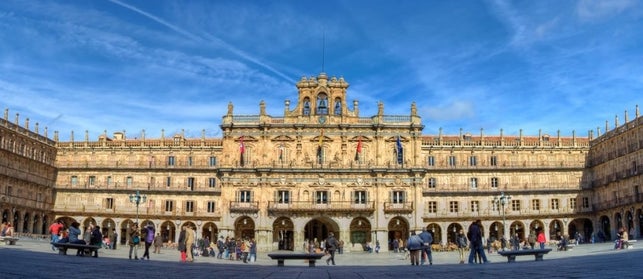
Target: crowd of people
74,235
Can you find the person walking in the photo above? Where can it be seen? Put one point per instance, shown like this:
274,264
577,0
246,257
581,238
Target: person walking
181,244
148,236
541,239
55,229
134,239
331,246
461,241
427,240
475,239
532,239
158,243
415,245
96,239
189,242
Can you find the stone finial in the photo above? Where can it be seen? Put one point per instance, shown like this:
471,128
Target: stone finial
262,108
17,121
203,134
71,138
230,108
6,114
36,128
143,134
86,135
414,109
27,123
380,108
606,126
615,121
162,133
625,116
637,111
46,132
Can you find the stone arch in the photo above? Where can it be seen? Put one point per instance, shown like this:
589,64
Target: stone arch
556,229
210,230
398,229
517,227
605,232
535,226
88,221
125,225
360,231
168,231
283,233
107,227
244,227
436,232
496,231
318,228
452,232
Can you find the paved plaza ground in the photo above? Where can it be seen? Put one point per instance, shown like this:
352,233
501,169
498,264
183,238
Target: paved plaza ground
35,259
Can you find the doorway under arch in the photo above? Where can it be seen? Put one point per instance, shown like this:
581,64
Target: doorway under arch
398,228
244,227
318,228
283,233
360,230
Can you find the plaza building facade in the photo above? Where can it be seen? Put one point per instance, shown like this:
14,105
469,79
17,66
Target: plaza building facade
320,168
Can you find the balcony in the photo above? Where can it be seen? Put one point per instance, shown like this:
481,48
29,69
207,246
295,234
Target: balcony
398,208
329,207
244,207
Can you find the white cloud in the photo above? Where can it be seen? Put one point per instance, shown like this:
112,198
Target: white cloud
590,10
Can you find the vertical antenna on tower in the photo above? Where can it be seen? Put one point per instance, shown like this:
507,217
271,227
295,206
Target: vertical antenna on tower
323,50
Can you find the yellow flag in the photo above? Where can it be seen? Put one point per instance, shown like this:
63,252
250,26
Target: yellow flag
321,138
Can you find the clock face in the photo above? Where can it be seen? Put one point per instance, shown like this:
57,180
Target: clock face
322,119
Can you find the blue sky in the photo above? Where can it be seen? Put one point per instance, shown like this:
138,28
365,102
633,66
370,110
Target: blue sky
132,65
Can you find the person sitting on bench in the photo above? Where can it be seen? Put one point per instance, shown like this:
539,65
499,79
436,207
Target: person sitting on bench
74,232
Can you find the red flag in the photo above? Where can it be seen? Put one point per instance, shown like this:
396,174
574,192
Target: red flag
359,148
242,149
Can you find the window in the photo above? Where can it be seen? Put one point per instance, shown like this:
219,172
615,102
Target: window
493,161
515,205
452,161
109,181
245,196
189,206
212,182
431,161
74,180
572,203
213,161
191,183
453,206
432,207
321,197
494,182
211,207
169,205
585,202
283,196
92,180
473,182
359,197
432,182
338,107
168,181
170,160
322,104
129,181
190,161
397,197
473,161
475,206
535,204
555,204
109,203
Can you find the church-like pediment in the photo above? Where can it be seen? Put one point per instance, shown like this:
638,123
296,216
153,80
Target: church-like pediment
358,138
283,138
246,139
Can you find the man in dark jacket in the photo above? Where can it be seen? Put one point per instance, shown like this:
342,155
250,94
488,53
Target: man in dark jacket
475,239
96,239
427,240
331,246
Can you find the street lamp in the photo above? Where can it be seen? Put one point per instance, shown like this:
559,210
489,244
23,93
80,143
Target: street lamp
137,199
502,200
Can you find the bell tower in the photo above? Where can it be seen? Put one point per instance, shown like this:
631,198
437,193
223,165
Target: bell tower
321,100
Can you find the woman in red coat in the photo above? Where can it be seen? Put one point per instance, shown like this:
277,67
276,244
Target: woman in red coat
541,239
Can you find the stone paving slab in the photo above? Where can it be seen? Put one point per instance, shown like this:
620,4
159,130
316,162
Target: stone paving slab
35,259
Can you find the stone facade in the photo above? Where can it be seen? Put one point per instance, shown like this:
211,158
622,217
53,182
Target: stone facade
321,167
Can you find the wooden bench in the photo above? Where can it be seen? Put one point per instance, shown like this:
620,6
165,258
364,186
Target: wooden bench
281,257
8,240
511,254
86,248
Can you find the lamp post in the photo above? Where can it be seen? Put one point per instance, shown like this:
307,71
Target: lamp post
137,199
502,200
